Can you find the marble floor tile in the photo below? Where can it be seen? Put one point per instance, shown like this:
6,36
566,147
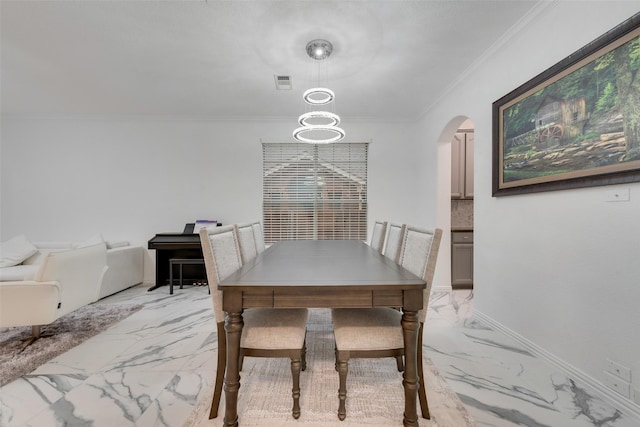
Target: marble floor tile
90,357
149,370
176,401
159,352
20,400
500,382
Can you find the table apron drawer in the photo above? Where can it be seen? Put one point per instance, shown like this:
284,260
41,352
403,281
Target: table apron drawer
309,298
316,299
257,299
388,299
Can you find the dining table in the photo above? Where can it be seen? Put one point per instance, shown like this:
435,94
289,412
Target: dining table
321,274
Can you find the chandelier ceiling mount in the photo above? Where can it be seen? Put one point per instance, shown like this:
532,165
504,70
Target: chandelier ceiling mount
319,49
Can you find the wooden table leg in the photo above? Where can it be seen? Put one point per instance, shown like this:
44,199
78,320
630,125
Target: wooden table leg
233,326
410,328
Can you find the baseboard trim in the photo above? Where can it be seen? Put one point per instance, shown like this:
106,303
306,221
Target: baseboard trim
624,405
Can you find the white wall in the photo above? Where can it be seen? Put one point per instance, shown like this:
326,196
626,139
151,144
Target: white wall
562,268
130,178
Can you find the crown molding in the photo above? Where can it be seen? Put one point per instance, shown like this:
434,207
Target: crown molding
523,22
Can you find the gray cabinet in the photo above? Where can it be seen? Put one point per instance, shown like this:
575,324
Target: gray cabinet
462,259
462,165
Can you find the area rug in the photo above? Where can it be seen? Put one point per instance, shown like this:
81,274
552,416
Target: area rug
66,332
375,396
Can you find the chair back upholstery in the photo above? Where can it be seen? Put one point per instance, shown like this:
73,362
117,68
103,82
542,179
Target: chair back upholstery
258,236
247,240
419,255
378,234
222,257
394,241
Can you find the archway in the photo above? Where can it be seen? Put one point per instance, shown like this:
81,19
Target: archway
443,207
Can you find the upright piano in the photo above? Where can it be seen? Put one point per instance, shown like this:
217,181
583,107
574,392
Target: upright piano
177,245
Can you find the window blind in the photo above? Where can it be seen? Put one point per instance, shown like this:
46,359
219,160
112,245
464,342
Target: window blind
314,191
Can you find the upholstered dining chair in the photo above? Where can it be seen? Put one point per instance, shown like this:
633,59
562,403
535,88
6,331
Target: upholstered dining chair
377,332
247,240
394,241
267,332
259,236
378,235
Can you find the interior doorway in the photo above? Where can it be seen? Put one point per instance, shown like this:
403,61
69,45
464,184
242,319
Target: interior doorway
462,149
452,211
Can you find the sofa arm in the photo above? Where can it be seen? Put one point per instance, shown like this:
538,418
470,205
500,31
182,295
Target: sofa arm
28,303
126,268
79,271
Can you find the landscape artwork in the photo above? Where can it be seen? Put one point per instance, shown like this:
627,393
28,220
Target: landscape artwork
575,125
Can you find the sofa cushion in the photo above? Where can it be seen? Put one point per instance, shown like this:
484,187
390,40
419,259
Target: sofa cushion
16,250
93,240
18,272
45,248
112,244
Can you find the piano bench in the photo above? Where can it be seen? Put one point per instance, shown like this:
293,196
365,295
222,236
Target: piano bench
180,262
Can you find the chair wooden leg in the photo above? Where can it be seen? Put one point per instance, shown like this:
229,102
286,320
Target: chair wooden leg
343,369
422,394
295,373
222,366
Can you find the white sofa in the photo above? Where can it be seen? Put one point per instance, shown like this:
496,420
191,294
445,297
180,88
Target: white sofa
66,281
125,264
126,268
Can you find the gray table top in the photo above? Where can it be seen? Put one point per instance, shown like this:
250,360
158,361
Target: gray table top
324,263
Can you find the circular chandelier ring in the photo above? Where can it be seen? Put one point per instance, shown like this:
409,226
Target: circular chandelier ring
332,119
298,134
327,96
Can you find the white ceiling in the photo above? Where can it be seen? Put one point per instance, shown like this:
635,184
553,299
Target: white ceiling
218,58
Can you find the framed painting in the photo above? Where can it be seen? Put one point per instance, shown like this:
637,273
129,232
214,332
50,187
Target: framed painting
575,125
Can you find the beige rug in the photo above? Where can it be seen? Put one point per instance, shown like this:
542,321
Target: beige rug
66,332
375,396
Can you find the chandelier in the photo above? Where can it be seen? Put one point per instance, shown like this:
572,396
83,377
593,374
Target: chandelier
318,126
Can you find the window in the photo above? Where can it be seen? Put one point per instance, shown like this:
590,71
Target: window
314,191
